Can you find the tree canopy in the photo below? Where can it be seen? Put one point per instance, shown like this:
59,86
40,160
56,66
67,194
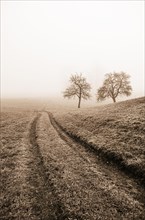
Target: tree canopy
115,84
79,87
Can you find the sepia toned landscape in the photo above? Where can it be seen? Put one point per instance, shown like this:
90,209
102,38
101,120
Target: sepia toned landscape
72,114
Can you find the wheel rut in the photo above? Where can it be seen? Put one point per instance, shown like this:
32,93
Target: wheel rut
70,182
46,204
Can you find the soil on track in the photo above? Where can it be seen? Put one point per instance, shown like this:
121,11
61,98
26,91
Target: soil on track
57,178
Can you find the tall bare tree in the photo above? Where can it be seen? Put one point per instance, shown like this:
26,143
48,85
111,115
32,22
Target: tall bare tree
78,88
115,84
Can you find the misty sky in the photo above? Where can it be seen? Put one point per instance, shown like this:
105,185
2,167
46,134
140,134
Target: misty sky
44,42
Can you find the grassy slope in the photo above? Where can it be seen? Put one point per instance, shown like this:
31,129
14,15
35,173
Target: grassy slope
86,189
116,131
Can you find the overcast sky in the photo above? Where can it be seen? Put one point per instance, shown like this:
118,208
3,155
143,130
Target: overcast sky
44,42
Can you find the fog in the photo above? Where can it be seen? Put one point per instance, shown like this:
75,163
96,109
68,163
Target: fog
44,42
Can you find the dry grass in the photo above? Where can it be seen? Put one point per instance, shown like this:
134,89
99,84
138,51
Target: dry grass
25,190
87,190
15,196
116,131
46,176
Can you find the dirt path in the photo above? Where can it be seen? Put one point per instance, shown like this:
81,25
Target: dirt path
87,188
27,193
46,204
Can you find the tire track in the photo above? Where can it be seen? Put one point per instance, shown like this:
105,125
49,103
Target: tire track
46,204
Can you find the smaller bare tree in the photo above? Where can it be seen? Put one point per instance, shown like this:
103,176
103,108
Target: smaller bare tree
115,84
78,88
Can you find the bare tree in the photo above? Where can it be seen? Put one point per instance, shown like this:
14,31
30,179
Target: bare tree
78,87
115,84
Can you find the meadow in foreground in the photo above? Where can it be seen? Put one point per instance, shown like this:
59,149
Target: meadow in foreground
47,175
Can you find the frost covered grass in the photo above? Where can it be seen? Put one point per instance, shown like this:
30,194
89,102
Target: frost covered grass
115,131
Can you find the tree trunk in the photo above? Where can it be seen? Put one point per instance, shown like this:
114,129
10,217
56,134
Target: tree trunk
79,104
80,96
114,100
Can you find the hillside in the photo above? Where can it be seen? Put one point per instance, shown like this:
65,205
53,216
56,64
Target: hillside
60,164
115,131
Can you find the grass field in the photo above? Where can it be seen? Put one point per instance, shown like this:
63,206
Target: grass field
117,131
50,172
